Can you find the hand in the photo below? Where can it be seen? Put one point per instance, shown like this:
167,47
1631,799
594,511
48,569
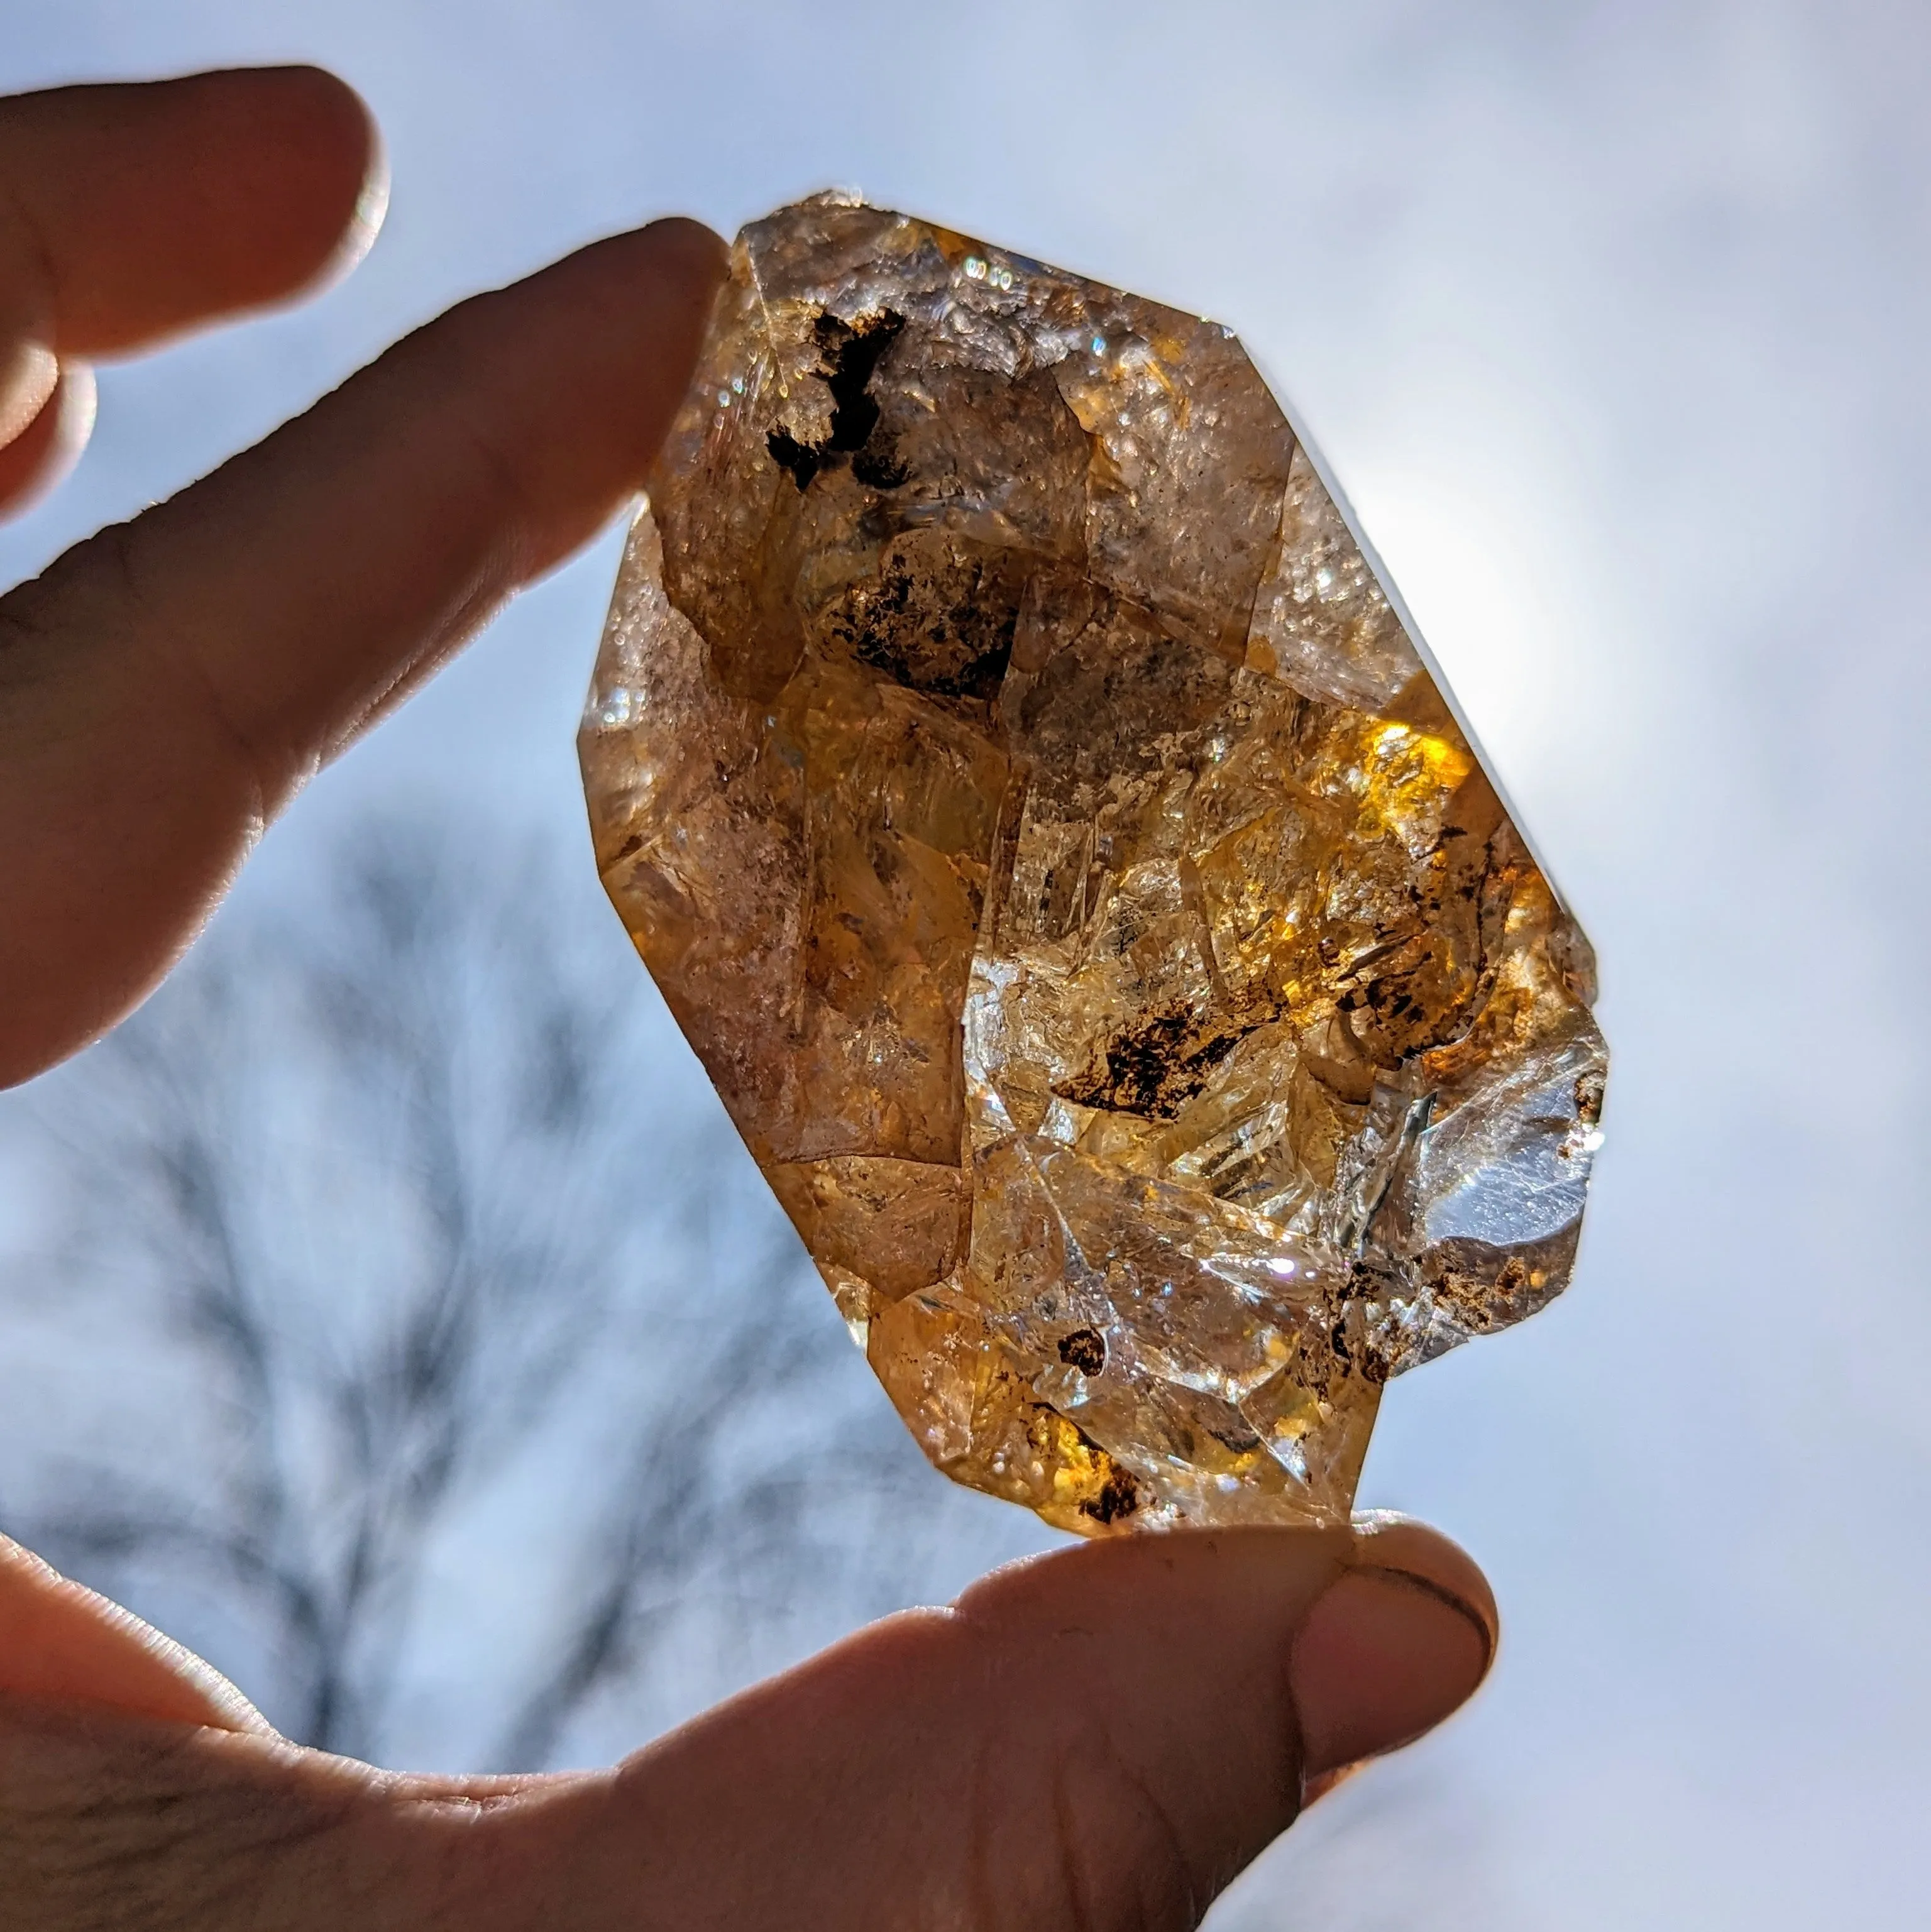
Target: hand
1099,1739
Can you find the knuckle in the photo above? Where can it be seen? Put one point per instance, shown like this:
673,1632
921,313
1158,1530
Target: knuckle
1111,1858
88,637
149,1828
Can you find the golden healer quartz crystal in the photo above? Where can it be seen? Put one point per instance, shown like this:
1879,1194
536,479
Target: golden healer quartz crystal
1050,836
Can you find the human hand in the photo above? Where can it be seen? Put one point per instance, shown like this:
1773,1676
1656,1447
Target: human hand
1098,1739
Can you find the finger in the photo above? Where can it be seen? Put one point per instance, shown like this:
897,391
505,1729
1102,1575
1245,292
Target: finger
111,1819
168,685
129,213
29,374
1093,1742
61,1644
50,443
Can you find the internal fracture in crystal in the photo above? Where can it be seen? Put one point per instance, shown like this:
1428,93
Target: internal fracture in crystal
1048,835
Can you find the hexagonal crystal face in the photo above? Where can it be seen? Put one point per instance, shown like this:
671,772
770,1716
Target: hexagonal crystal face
1055,848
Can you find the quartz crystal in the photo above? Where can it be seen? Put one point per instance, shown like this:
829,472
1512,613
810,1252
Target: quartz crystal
1046,830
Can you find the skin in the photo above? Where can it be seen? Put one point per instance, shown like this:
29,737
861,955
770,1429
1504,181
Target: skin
1095,1741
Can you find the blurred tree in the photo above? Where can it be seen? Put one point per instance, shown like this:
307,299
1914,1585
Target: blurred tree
394,1168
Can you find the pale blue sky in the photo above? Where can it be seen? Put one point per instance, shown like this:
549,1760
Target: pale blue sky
1611,318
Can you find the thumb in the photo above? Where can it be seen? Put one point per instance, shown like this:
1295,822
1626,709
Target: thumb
1099,1739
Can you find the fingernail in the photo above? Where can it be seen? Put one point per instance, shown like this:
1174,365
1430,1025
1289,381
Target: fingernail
1397,1642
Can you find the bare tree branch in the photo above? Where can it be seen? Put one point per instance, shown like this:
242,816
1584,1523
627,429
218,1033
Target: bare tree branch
382,1170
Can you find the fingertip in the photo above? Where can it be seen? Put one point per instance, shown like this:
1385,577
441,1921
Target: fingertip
692,261
669,270
1401,1640
702,253
161,205
371,208
324,212
586,364
1386,1540
78,401
42,456
317,108
64,1645
29,374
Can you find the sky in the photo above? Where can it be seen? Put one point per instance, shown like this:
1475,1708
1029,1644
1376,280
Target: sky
1609,317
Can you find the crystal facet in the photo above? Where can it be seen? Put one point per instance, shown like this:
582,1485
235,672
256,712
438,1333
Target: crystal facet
1055,845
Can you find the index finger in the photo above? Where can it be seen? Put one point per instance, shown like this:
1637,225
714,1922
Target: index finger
166,686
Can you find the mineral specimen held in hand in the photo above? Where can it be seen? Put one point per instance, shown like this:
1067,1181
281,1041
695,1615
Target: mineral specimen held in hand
1050,838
